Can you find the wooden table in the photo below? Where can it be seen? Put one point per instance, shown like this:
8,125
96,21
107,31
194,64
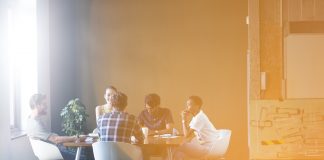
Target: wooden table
163,142
156,141
79,145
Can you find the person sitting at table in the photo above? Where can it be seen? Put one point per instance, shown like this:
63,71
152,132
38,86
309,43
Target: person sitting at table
157,119
199,132
36,128
118,125
100,110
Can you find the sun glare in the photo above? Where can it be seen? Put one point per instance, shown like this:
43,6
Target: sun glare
22,38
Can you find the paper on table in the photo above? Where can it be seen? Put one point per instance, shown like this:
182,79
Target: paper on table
88,139
94,135
166,136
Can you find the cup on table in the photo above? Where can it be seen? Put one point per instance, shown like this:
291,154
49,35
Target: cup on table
145,131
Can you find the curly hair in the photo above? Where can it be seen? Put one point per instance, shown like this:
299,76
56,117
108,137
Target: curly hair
112,88
119,100
152,100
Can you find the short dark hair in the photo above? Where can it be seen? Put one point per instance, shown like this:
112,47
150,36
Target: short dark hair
36,99
119,100
112,88
152,100
197,100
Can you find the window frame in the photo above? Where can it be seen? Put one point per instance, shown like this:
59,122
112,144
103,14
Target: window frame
18,73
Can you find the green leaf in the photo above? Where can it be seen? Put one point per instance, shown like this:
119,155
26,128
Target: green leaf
74,117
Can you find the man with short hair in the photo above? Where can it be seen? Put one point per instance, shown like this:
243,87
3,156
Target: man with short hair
118,125
200,133
157,119
36,128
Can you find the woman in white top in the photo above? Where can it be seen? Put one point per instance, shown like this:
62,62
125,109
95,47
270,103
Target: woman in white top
101,110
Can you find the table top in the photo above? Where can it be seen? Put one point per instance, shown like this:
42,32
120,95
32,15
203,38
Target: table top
150,140
169,141
78,144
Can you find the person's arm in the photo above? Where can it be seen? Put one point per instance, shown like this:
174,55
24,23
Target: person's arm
138,134
187,131
62,139
186,118
140,120
98,112
168,129
168,124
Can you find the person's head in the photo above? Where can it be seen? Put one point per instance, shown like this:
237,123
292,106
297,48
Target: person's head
119,101
38,102
110,90
152,101
194,104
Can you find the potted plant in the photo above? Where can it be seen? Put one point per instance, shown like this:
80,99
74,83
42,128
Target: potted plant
74,117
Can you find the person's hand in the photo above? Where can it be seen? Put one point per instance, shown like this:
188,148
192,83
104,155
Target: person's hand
185,140
81,138
151,133
186,115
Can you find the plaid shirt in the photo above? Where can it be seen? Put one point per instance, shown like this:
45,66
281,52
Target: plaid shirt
118,126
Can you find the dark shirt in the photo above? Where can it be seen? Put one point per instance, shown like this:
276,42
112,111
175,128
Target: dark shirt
157,121
119,127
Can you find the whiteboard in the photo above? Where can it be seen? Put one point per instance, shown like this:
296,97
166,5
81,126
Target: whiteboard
304,66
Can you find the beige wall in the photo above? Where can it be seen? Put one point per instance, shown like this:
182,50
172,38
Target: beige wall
173,48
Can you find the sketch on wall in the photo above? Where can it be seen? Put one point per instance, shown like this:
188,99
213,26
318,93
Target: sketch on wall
291,129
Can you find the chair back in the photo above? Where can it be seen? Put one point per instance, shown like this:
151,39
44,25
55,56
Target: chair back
44,150
220,146
116,150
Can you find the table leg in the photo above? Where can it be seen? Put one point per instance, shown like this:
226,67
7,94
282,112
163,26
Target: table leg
78,154
169,152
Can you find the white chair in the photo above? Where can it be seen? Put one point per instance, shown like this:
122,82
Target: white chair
44,150
220,145
116,150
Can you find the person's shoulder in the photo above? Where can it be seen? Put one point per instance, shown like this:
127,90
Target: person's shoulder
99,106
105,115
202,115
165,110
130,116
142,112
34,119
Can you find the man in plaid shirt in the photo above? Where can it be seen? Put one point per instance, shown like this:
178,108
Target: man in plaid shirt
118,125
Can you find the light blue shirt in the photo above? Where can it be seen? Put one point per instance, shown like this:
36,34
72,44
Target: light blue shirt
37,130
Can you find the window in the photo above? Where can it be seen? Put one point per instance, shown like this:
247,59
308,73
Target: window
22,38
